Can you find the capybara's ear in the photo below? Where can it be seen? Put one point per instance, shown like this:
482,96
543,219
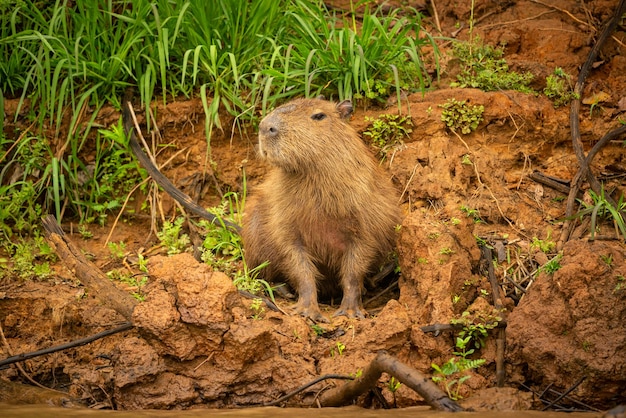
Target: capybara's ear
345,109
321,97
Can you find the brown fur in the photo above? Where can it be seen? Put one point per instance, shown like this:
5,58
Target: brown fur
325,215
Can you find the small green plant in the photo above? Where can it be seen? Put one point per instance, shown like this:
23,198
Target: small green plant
477,326
117,249
393,384
388,131
558,87
454,372
482,242
621,284
482,67
587,346
422,260
551,266
31,258
608,259
471,213
135,282
446,251
172,237
318,330
456,299
433,235
84,232
339,348
455,221
544,245
459,116
465,160
601,208
257,308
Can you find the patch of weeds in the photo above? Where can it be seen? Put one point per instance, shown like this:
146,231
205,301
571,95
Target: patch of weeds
114,174
388,131
551,266
559,88
31,258
455,221
172,237
471,213
482,67
117,249
454,372
134,282
25,180
422,260
459,116
476,326
601,208
222,247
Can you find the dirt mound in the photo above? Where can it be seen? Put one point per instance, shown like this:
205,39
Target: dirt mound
197,342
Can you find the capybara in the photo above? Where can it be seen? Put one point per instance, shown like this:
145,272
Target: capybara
325,216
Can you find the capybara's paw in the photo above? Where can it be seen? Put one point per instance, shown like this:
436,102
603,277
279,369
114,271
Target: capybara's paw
356,312
311,312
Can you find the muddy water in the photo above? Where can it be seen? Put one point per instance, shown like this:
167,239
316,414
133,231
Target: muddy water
27,411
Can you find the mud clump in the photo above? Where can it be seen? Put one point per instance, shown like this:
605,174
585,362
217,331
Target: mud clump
570,326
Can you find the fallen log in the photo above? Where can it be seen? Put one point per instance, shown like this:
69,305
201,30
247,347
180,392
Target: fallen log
87,272
385,363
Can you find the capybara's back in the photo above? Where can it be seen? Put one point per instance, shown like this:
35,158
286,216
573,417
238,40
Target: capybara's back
325,216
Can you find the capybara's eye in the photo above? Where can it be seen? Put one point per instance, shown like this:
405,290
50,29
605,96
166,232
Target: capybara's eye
318,116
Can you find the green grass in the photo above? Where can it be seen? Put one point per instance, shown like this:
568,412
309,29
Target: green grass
63,61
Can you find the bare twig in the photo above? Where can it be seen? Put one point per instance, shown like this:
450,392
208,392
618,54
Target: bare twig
76,343
584,160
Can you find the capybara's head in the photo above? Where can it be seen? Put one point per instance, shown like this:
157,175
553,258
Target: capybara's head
296,135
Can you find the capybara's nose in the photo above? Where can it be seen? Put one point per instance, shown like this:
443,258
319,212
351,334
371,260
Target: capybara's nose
269,127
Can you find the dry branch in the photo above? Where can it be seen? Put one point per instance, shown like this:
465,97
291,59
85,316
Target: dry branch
584,172
132,130
384,363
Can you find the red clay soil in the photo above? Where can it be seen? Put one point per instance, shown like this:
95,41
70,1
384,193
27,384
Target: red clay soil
198,343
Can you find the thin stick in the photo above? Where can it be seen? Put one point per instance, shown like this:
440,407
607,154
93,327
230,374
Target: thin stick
76,343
